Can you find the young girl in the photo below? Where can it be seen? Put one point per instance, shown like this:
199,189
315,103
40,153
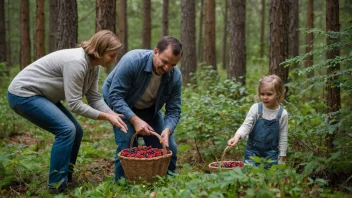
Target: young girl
266,124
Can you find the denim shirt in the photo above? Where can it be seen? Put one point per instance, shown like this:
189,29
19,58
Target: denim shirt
130,78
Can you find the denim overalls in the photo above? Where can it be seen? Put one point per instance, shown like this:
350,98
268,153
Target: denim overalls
263,140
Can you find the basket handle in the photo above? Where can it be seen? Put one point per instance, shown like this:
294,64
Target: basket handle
157,135
223,153
226,149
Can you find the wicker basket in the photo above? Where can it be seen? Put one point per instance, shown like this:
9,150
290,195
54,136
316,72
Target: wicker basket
145,169
215,167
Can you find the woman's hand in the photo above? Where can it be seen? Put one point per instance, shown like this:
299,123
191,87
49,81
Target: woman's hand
114,119
233,141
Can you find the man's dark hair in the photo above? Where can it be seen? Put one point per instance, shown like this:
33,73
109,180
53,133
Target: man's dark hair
176,45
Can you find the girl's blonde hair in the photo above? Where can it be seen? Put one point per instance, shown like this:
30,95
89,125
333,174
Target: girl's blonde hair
277,84
101,42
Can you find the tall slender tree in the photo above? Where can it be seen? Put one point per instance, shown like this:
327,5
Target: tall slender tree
39,31
262,30
122,24
53,25
293,29
309,37
25,51
224,38
165,18
210,45
200,52
2,32
67,22
105,15
146,29
237,64
334,94
278,52
188,39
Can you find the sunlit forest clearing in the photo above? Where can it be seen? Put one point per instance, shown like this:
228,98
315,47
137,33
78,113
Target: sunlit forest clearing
227,47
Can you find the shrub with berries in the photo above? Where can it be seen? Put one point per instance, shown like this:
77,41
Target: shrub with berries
228,164
142,152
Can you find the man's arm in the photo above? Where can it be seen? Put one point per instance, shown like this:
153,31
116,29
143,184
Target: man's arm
173,106
120,85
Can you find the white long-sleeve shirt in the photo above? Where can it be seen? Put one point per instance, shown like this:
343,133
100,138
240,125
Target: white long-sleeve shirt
268,114
63,75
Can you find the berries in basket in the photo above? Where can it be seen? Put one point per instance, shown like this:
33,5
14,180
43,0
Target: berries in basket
142,152
144,162
227,164
224,165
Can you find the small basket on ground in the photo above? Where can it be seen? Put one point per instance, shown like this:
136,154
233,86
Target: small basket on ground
145,169
215,167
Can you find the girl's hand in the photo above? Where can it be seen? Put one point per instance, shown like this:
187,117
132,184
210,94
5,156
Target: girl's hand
233,141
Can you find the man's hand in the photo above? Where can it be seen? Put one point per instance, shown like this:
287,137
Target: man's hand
165,135
140,126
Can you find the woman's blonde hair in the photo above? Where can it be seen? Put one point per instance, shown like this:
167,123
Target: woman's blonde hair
277,84
101,42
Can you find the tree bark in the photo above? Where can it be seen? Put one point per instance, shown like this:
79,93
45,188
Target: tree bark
40,36
309,37
53,25
146,29
237,62
334,95
165,18
188,38
262,30
3,48
105,15
25,51
67,22
278,53
293,29
210,46
122,24
200,33
224,39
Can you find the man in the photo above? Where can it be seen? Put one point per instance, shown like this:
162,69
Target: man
139,86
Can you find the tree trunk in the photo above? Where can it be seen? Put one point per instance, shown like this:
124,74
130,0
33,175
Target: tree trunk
278,53
67,23
146,29
122,24
165,20
210,46
105,15
40,36
309,37
200,33
224,39
25,51
3,48
293,29
262,30
188,38
237,65
53,25
334,97
9,37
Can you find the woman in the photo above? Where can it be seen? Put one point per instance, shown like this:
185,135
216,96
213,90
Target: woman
70,74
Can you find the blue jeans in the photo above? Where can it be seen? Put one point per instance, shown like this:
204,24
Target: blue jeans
123,140
56,119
